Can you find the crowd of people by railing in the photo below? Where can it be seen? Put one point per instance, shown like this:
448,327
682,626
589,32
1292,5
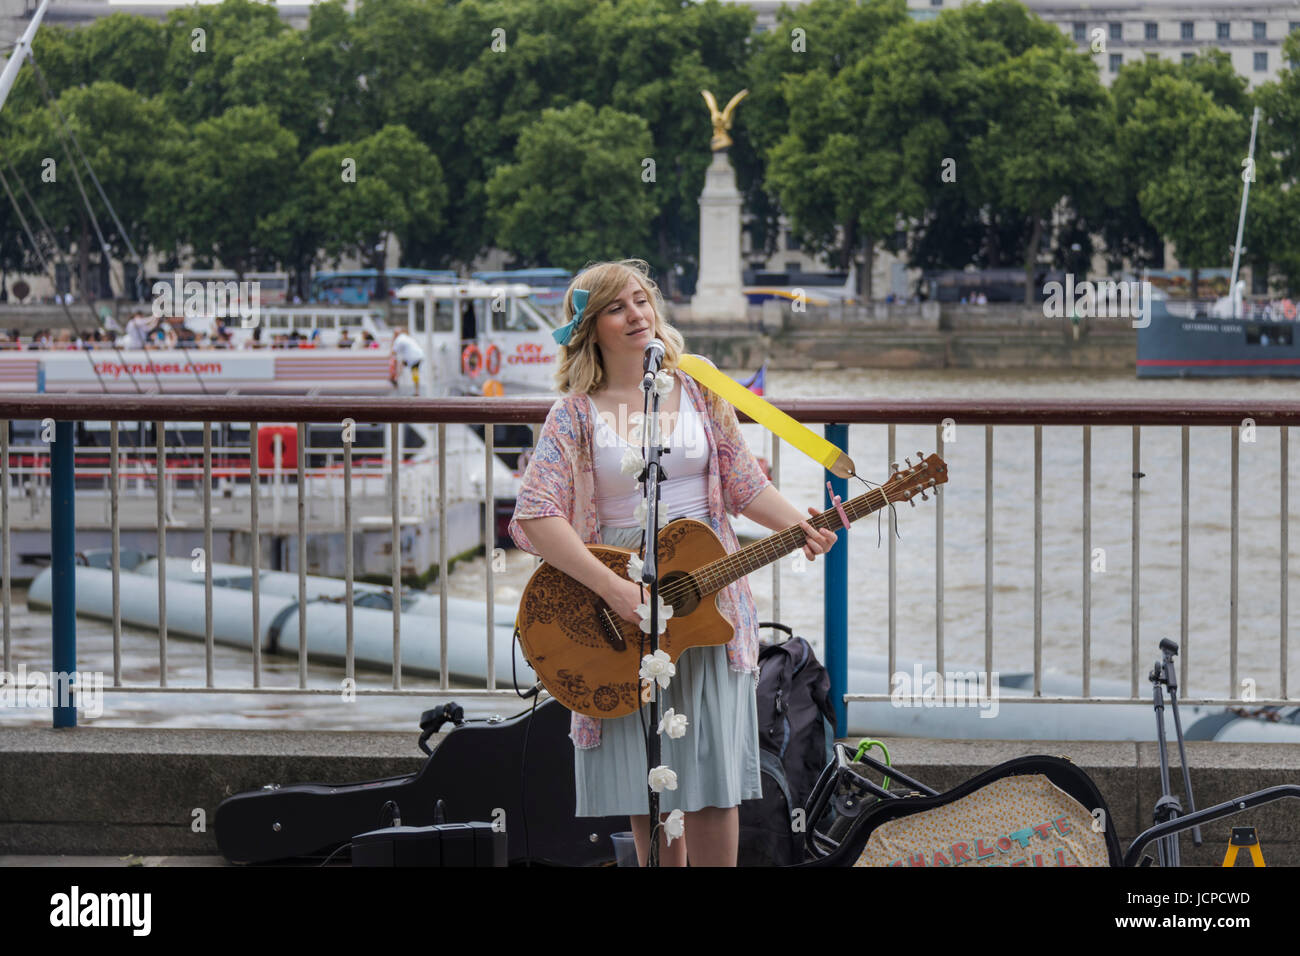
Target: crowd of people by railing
1279,310
147,332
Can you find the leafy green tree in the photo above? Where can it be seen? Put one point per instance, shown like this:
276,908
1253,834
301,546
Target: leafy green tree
818,50
125,49
1126,232
1273,219
835,174
575,192
1185,151
221,195
274,73
339,78
426,67
933,102
202,43
680,51
125,138
357,195
1048,125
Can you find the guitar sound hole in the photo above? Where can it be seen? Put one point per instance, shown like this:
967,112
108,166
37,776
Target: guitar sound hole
682,593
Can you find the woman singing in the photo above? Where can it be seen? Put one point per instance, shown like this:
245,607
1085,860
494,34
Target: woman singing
574,493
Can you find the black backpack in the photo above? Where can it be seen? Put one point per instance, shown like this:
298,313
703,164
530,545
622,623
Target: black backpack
796,734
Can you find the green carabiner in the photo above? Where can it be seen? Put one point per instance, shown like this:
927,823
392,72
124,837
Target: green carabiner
865,744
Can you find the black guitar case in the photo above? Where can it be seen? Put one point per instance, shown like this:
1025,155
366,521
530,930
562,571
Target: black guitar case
1069,780
476,770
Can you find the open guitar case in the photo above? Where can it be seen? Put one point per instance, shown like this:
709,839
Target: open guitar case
1018,813
475,772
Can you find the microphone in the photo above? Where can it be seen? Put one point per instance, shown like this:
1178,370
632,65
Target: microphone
654,356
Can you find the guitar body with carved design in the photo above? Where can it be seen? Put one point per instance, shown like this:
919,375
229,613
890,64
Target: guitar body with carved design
589,659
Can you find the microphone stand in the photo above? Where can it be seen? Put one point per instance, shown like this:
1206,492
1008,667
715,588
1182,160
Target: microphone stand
650,577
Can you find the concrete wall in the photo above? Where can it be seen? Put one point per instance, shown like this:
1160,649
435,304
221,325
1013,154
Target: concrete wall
125,791
832,347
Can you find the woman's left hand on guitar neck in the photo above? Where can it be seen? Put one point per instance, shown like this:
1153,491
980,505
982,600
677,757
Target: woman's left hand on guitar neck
771,509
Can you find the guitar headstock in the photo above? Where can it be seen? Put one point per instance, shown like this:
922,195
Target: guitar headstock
906,483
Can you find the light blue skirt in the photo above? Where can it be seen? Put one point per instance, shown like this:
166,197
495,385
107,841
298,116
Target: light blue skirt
716,762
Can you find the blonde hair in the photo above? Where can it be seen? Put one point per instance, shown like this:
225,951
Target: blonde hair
581,368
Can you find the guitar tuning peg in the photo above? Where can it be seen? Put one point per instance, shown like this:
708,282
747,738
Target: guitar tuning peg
923,497
893,466
920,456
909,462
912,502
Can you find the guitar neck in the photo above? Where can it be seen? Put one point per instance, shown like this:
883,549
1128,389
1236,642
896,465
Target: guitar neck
717,575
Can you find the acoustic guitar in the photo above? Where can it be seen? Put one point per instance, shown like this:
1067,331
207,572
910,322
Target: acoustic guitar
589,658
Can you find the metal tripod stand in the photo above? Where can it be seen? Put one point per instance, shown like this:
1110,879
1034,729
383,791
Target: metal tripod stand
1168,807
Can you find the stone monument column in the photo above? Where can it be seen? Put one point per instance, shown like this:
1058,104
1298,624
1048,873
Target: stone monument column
718,291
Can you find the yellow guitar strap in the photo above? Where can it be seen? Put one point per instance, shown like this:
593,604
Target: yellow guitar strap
770,417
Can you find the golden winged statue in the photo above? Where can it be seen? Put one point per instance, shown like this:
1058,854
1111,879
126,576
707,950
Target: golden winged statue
721,120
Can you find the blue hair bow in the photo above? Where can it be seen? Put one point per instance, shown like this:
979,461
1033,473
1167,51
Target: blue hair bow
565,332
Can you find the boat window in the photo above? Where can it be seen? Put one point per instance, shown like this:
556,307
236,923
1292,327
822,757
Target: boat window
444,317
529,319
510,318
1268,333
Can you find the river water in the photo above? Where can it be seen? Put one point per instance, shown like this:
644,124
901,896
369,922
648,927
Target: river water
1013,517
802,587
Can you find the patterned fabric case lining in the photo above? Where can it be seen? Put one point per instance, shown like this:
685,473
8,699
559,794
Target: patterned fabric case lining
1022,820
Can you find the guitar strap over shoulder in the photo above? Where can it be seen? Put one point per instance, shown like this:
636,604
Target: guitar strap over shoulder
770,417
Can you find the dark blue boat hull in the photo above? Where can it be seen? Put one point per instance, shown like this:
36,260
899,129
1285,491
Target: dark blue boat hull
1176,346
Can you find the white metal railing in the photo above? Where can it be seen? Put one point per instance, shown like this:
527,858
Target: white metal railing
345,485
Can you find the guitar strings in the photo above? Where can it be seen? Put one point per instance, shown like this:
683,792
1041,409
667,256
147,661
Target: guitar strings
766,549
880,511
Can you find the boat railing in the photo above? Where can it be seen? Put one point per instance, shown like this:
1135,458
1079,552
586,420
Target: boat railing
135,468
1280,310
1229,426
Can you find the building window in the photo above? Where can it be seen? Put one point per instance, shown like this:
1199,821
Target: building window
1080,32
1149,30
1116,31
1185,30
936,3
1261,62
791,243
1259,29
1152,56
1189,57
1293,26
1115,60
1221,30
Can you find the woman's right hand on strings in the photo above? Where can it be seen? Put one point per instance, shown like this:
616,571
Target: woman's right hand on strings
623,597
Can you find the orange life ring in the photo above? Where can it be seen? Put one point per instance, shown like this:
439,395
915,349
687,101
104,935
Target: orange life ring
493,360
1288,309
471,361
493,388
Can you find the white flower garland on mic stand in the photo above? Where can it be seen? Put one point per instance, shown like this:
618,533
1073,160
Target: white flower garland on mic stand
657,668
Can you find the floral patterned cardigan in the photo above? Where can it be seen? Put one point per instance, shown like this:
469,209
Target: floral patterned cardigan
560,480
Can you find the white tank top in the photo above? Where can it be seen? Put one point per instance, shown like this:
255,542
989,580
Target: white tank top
684,493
